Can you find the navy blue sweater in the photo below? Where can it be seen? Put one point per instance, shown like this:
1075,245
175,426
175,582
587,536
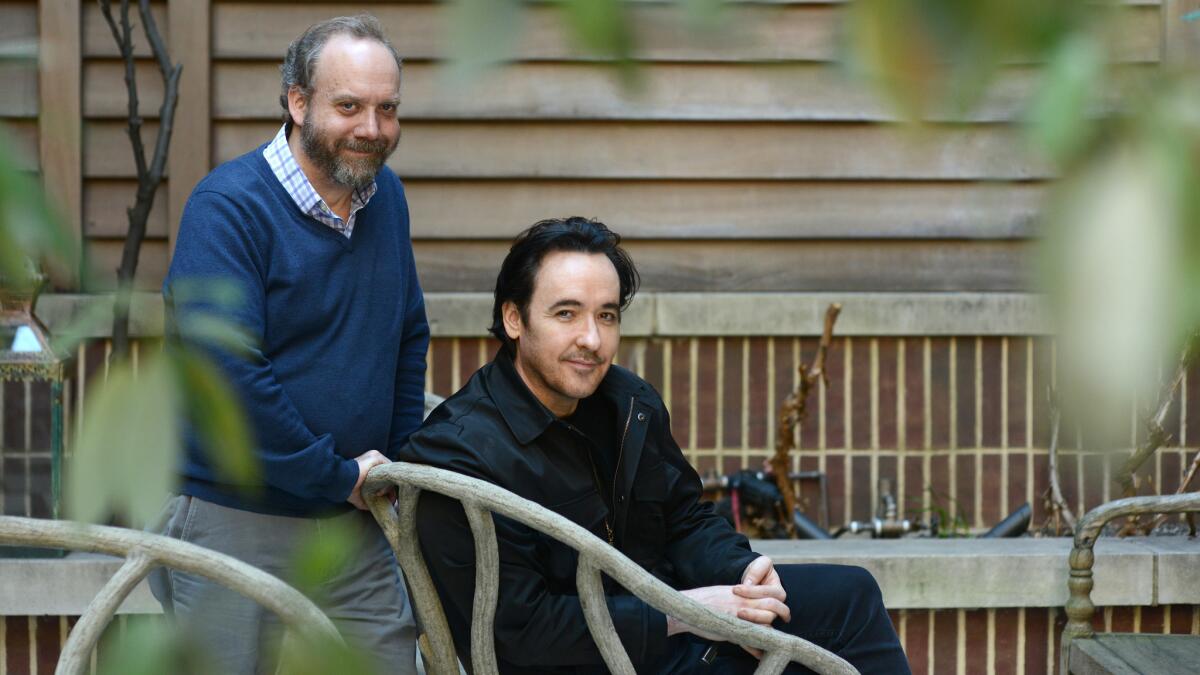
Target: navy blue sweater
336,333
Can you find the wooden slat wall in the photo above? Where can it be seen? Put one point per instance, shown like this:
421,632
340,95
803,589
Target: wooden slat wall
19,81
745,162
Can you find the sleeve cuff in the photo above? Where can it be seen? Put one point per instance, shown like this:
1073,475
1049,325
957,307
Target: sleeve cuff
344,478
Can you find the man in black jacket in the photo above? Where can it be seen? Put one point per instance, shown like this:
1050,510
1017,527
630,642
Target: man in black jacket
552,420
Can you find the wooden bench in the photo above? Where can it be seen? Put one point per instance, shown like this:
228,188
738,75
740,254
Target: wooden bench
480,499
1083,650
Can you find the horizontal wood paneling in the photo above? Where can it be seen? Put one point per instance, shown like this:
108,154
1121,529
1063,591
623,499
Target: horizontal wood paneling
23,135
18,22
18,82
105,256
678,209
768,265
751,32
669,91
104,205
662,151
729,209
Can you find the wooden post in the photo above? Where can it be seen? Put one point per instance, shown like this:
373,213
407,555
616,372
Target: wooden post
1180,35
60,114
189,34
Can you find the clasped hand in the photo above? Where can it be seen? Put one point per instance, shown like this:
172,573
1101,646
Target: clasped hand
760,599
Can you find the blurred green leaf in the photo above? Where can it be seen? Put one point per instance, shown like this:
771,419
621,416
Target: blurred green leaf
303,656
216,413
29,230
320,557
481,33
215,331
1113,267
1058,116
125,456
151,646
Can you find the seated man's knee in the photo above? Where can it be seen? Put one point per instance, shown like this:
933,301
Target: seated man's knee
835,588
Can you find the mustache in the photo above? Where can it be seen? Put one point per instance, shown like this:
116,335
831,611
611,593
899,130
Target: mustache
587,357
375,147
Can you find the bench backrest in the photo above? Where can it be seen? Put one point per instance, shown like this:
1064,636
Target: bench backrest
480,499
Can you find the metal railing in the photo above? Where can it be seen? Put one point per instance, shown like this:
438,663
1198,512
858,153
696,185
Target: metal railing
480,499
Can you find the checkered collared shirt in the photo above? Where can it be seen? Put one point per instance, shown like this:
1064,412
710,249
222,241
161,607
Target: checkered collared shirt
283,163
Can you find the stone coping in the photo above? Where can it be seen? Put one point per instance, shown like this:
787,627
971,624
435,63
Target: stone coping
913,573
678,314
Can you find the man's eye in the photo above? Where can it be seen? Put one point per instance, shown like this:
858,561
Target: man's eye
388,107
608,317
565,314
346,106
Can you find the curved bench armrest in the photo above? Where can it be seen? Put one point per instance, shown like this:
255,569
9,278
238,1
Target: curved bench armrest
595,556
1087,530
143,552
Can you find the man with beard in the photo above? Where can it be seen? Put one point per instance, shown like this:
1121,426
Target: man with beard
312,231
554,421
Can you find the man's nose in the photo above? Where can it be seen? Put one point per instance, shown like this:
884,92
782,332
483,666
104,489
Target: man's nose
589,337
368,128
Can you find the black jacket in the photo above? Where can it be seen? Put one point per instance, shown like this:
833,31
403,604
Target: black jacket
496,430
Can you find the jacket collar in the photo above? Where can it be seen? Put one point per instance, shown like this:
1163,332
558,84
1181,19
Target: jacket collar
525,415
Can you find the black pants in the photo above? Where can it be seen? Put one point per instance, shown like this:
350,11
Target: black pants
837,607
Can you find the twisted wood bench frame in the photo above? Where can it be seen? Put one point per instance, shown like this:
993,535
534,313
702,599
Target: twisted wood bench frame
479,499
143,552
1079,605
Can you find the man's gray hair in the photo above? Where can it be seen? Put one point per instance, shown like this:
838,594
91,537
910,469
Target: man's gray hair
300,65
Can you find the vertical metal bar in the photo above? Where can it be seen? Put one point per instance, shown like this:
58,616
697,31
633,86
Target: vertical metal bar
719,411
874,398
455,365
28,442
931,625
991,641
668,392
1021,640
56,446
771,396
960,641
848,437
901,426
693,398
927,411
953,455
745,435
2,480
429,361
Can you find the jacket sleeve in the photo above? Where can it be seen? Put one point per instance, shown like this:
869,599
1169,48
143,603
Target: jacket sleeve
215,252
409,398
534,625
701,545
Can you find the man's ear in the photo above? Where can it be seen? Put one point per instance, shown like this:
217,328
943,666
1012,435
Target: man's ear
512,319
297,105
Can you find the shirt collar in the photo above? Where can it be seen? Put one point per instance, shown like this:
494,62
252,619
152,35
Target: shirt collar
287,170
525,415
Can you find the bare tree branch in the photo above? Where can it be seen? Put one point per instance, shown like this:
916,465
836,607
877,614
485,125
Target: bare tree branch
1158,435
792,413
150,175
1058,504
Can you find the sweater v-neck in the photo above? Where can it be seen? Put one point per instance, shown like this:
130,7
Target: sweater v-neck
264,170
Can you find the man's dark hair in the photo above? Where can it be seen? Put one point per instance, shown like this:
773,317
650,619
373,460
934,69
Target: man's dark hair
299,67
573,234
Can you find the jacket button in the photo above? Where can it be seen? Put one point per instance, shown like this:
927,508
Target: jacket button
641,417
621,499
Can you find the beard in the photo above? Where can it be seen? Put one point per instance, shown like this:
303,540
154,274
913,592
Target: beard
326,154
